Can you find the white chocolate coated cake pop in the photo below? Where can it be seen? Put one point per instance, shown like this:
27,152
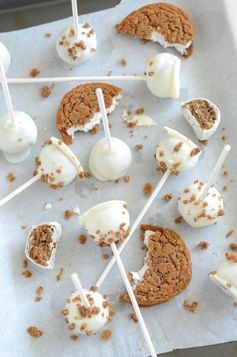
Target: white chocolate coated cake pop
203,116
17,139
109,165
5,57
225,276
76,50
163,75
106,222
41,244
57,164
176,152
200,213
86,320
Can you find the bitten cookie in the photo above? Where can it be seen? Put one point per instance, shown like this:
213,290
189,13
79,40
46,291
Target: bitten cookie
164,23
167,268
79,110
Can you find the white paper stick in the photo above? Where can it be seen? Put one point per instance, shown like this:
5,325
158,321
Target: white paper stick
74,79
19,189
77,283
215,171
101,102
7,93
75,18
133,300
134,226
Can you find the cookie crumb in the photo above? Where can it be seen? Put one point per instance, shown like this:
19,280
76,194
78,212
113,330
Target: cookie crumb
34,72
95,130
85,174
204,142
60,274
233,246
178,220
139,111
225,173
138,147
34,331
105,256
133,317
27,274
73,337
23,226
190,306
82,238
93,288
11,177
109,73
25,263
45,91
147,189
126,179
167,197
123,61
106,334
203,245
225,188
224,138
68,214
229,234
231,257
39,291
47,34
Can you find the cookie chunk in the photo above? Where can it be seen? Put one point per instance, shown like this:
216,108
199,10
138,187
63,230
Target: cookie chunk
167,268
164,23
79,110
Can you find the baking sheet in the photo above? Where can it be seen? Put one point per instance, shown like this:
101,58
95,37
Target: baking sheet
211,72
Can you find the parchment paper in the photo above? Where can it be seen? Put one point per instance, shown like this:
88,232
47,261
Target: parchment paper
211,72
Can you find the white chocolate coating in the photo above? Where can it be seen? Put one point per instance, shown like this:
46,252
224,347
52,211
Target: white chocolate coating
83,324
106,222
58,162
158,37
177,159
5,57
16,140
106,165
200,214
163,75
56,235
201,133
226,278
73,50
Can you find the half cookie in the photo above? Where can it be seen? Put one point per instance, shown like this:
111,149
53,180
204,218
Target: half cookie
79,110
167,268
203,116
164,23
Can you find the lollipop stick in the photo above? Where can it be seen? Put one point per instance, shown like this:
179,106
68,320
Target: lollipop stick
133,300
75,17
7,94
101,103
74,79
19,190
77,283
134,226
215,171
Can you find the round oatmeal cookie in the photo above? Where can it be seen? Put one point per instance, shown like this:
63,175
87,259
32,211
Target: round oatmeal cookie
79,110
163,23
167,268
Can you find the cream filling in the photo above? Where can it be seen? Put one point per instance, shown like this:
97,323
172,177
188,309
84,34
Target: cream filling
96,119
158,37
142,120
226,277
57,232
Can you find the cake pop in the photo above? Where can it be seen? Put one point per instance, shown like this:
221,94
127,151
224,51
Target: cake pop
201,204
41,244
203,116
162,76
18,132
77,43
56,165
